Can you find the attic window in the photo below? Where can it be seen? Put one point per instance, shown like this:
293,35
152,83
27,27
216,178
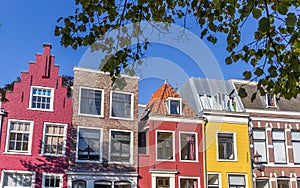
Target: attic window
271,101
174,106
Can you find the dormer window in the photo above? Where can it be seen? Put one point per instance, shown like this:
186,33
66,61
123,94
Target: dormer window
271,101
174,106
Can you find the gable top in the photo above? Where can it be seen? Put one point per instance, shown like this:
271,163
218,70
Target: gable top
157,103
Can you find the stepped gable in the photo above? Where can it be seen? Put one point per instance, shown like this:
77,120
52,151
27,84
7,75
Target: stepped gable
157,102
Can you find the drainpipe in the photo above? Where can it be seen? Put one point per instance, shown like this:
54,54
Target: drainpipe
205,121
251,160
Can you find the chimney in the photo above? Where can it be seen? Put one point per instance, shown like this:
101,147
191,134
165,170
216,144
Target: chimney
47,48
47,65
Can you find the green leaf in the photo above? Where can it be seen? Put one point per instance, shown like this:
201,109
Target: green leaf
291,20
247,75
253,97
264,25
242,92
228,60
282,8
256,13
258,71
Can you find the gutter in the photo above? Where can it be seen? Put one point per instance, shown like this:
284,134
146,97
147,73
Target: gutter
205,121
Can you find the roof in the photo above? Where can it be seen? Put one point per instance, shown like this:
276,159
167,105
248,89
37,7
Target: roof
260,103
157,103
210,94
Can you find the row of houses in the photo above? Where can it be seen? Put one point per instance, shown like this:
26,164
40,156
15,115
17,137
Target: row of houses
204,135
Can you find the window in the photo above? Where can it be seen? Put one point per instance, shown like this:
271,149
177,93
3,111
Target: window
164,145
213,181
236,181
259,143
188,147
162,182
122,105
271,100
283,183
120,146
279,146
19,136
54,139
89,144
41,98
226,146
102,184
17,179
262,184
174,106
296,146
188,183
122,184
52,181
79,184
298,183
91,102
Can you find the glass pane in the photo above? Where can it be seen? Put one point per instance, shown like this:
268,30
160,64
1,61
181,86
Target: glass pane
262,184
296,151
260,148
237,180
283,184
296,136
188,183
278,135
79,184
164,145
174,107
213,179
225,146
279,152
188,148
121,105
259,134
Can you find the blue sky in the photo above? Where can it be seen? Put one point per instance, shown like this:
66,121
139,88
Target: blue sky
26,25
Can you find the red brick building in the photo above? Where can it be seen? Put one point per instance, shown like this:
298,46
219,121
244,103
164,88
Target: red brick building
170,138
34,145
275,138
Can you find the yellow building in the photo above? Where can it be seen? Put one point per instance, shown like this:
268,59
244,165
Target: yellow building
226,141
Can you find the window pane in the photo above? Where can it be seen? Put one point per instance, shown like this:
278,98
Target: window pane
296,136
121,105
236,180
52,181
122,184
17,180
279,152
296,151
41,98
90,101
283,183
259,134
298,183
120,146
278,135
260,148
226,146
213,180
18,137
174,107
89,144
164,145
79,184
188,183
188,147
54,136
162,182
262,184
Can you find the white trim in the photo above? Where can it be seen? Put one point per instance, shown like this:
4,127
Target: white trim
179,119
239,118
156,145
168,101
260,118
102,102
167,175
131,105
17,172
8,135
131,147
272,112
196,146
239,174
51,99
101,72
215,173
188,177
100,142
234,144
64,140
52,174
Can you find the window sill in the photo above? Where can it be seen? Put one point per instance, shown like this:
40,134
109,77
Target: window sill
15,153
43,110
227,160
52,155
91,115
121,118
166,160
87,161
118,162
189,161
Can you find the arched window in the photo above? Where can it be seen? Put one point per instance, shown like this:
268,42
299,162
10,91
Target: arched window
79,184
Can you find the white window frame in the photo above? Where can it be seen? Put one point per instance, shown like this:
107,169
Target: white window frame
64,140
260,140
173,147
267,101
283,179
285,146
102,102
196,146
168,104
264,179
295,141
8,135
234,145
131,147
166,175
238,174
17,172
101,141
52,174
51,100
131,105
189,177
214,173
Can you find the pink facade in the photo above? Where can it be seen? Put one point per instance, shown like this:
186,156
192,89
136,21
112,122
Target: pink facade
34,146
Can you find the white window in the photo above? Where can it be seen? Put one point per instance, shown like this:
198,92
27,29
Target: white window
259,143
283,184
91,102
41,98
79,184
188,146
121,146
296,146
279,146
54,140
19,135
121,105
213,181
226,146
188,182
163,182
17,179
271,100
89,144
236,181
174,106
164,145
262,184
52,180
